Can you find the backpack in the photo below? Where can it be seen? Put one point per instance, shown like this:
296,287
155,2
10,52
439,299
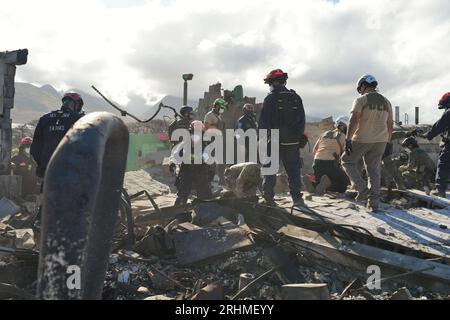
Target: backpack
288,118
332,134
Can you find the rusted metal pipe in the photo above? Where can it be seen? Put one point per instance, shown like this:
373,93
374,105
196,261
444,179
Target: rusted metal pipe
82,191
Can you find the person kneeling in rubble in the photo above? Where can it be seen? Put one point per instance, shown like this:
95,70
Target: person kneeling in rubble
190,175
327,168
420,171
243,179
23,165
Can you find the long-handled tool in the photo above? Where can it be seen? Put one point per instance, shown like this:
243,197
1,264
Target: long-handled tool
125,113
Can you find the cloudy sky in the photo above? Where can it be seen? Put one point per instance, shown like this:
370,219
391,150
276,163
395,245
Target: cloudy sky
134,49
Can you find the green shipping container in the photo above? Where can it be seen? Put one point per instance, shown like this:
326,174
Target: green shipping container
142,145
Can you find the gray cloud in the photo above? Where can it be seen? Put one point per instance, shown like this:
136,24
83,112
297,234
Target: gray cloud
140,50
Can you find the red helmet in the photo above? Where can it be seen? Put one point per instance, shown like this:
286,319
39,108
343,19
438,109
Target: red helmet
444,103
276,74
26,140
75,97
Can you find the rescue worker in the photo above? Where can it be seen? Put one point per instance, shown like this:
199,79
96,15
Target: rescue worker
23,165
52,127
187,116
442,127
213,121
327,153
248,119
283,109
246,122
243,179
191,176
389,167
420,171
369,131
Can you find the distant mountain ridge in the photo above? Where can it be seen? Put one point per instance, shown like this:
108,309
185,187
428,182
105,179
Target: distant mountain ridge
31,102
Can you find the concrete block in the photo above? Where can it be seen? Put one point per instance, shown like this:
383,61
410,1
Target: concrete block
11,70
17,57
23,238
8,103
9,90
305,291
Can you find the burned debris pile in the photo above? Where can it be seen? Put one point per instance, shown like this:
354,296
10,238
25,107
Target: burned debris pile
241,249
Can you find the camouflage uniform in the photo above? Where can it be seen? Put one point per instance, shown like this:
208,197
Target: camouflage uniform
389,166
420,170
243,179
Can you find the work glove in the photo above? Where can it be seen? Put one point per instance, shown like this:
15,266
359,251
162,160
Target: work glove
402,168
172,168
348,147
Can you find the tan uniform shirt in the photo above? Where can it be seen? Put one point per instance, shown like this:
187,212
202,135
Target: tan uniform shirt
212,120
375,110
330,143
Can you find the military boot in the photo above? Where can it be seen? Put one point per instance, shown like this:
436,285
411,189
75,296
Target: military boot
299,203
269,202
373,204
363,195
439,193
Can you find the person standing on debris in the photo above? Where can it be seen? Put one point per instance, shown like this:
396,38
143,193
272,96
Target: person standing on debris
187,116
52,127
442,127
213,121
283,110
191,176
49,132
244,123
370,129
23,165
327,154
420,171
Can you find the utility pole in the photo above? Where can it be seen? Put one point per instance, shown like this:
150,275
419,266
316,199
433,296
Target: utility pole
397,115
186,77
8,62
417,115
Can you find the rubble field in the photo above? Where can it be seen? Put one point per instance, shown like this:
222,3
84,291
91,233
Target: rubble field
235,249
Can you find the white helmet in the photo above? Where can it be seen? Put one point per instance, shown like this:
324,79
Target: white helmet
341,119
366,79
